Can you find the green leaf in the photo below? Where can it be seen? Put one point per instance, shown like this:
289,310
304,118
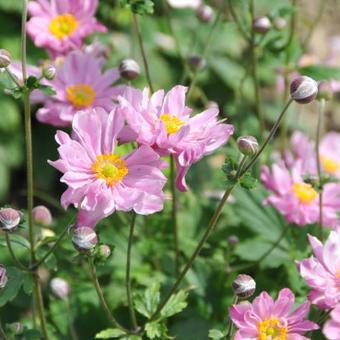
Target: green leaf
31,334
321,72
139,6
216,334
175,305
16,240
32,82
28,284
156,330
147,303
230,168
248,181
110,333
15,281
47,90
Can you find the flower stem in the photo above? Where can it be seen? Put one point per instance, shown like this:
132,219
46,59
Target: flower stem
142,50
318,162
237,21
72,330
11,251
100,294
230,327
40,305
128,272
13,78
174,214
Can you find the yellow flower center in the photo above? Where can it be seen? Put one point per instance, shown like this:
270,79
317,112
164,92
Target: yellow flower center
80,95
329,165
337,275
172,123
305,193
110,168
271,329
63,25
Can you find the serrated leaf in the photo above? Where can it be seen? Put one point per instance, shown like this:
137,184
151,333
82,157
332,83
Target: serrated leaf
175,305
248,181
139,6
110,333
32,83
216,334
47,90
15,281
147,303
155,330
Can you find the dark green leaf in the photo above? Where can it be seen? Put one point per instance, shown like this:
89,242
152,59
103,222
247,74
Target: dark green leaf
15,281
248,181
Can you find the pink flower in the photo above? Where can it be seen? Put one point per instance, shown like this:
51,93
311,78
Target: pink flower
322,271
60,26
297,200
268,319
332,327
164,123
80,84
99,179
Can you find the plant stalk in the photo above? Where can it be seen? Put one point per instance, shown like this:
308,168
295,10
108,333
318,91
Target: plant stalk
12,253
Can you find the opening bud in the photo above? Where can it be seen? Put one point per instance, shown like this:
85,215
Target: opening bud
262,25
244,286
3,277
303,89
9,219
104,251
279,23
129,69
84,239
248,145
205,13
233,240
325,90
49,71
42,215
5,58
60,288
197,63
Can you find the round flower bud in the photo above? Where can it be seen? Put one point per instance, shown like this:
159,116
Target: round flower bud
279,23
3,277
325,90
49,71
42,215
5,58
248,145
244,286
205,13
60,288
104,251
261,25
9,219
84,239
16,328
303,89
129,69
197,63
233,240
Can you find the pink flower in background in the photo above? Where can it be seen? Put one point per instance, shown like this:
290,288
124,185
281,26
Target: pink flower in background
297,200
331,329
163,122
80,84
268,319
184,3
99,179
60,26
322,271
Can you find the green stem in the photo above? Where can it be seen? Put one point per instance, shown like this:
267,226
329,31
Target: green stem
13,78
241,165
142,50
73,332
128,272
230,327
11,251
318,162
237,22
40,305
2,332
174,213
100,294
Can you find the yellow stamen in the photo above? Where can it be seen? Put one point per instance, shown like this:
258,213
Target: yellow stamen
80,95
172,123
305,192
329,165
338,274
271,329
110,168
63,25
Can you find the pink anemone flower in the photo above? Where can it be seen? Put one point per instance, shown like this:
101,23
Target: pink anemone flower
268,319
331,330
163,122
60,26
100,180
322,271
80,84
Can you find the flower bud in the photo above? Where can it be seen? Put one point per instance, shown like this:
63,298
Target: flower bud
129,69
205,13
248,145
49,71
279,23
9,219
60,288
5,58
3,277
261,25
233,240
16,328
42,215
84,239
104,251
303,89
325,90
244,286
197,63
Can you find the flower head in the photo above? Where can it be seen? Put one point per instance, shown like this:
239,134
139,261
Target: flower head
61,26
268,319
9,219
322,271
42,215
331,329
163,122
60,288
100,179
80,84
